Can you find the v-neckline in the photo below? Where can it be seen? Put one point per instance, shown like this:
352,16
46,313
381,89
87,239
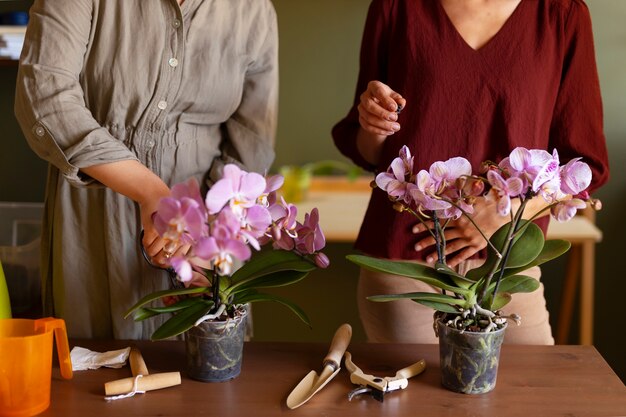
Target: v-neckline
493,39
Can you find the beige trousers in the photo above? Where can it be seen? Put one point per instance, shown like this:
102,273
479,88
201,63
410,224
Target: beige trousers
406,321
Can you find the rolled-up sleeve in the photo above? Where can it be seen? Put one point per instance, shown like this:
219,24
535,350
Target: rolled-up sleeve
250,131
49,103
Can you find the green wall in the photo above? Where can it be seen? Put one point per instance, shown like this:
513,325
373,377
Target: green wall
319,45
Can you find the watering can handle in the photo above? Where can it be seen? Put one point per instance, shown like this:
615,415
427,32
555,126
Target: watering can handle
63,347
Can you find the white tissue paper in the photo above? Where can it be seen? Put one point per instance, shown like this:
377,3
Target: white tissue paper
86,359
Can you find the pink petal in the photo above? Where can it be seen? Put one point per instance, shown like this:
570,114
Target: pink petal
398,169
274,182
182,267
515,186
575,177
383,179
252,186
238,249
234,174
458,167
206,248
546,173
520,158
219,194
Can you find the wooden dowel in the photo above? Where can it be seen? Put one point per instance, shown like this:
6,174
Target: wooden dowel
145,383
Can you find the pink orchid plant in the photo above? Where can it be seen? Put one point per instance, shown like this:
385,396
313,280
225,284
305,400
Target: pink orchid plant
240,214
448,190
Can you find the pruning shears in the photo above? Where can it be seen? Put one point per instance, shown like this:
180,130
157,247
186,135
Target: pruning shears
376,386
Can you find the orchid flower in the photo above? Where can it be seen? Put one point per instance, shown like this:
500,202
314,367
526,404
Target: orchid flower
396,181
182,213
504,190
310,236
575,177
238,188
564,210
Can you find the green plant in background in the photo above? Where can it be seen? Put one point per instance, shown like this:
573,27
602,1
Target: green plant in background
298,177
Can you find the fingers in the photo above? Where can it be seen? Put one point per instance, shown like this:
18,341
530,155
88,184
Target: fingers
462,256
378,109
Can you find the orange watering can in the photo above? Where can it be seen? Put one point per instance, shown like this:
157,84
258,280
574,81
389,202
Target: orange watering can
26,364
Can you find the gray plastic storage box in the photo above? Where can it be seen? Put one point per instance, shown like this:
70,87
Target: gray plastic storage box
20,234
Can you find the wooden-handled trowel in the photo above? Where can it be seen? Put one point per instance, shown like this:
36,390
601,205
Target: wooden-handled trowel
313,382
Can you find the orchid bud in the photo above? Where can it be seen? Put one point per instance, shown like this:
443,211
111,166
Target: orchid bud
276,232
321,260
399,207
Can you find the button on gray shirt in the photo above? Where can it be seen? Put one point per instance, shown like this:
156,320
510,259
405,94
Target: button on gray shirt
183,89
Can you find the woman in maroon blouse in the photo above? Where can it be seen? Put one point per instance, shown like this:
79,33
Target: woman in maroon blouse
477,78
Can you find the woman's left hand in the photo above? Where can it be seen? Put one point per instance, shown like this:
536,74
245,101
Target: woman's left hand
461,235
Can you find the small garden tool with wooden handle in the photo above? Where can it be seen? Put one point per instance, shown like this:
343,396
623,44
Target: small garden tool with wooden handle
376,386
313,382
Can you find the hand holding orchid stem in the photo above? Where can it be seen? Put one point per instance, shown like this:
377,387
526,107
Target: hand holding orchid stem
449,190
240,213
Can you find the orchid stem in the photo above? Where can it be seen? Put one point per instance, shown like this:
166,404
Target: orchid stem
216,290
440,240
505,250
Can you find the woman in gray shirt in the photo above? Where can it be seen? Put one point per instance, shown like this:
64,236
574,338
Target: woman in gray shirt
124,99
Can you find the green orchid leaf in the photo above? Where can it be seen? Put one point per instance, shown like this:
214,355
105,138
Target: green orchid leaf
439,302
180,305
527,245
552,249
413,270
275,279
253,296
269,262
183,320
516,284
458,279
157,295
143,313
426,296
502,299
444,308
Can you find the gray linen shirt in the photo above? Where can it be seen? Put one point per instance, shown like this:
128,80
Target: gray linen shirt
182,89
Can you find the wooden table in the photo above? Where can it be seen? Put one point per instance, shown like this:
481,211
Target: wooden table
342,206
533,381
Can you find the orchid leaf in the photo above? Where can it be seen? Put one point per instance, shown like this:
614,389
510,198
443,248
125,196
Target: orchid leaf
143,313
444,308
527,245
165,293
516,284
458,279
268,262
444,302
275,279
147,312
413,270
183,320
526,248
502,299
552,249
253,296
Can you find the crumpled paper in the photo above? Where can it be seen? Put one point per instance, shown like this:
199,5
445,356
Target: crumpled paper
83,359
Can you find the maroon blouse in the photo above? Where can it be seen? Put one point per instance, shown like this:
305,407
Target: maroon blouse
534,84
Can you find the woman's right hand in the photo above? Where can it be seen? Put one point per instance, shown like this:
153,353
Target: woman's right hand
379,108
378,118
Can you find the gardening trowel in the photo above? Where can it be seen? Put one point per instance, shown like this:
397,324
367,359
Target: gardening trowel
312,382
